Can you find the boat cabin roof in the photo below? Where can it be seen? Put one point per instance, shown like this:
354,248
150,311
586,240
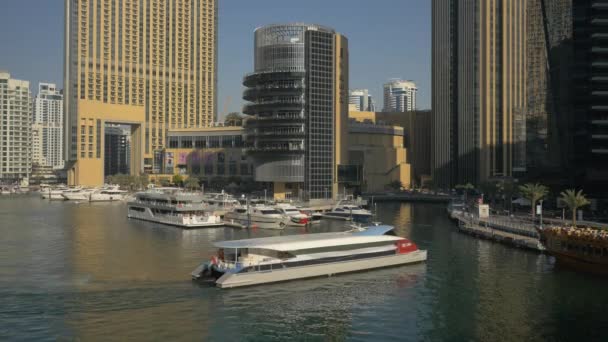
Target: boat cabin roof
310,241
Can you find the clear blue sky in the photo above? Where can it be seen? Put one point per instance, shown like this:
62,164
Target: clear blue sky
387,38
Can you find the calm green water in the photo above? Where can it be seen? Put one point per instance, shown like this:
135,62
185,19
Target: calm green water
84,271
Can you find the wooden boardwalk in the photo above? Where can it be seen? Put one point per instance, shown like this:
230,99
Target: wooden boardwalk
503,230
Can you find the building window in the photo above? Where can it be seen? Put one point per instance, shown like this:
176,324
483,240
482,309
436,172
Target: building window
232,168
173,142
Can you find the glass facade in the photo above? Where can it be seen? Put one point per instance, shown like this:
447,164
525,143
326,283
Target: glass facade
291,100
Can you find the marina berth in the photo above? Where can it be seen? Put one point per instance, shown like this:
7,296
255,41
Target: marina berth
173,207
283,258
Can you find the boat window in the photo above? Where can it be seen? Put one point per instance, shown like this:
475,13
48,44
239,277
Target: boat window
269,211
241,211
137,209
338,209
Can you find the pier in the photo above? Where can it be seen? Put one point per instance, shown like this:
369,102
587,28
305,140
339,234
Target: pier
507,230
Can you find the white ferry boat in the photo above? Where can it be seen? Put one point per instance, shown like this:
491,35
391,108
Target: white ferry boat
258,216
292,215
172,207
350,212
283,258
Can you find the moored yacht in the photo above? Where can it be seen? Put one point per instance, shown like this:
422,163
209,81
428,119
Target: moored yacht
283,258
77,194
258,216
108,195
351,212
54,193
292,215
172,207
220,203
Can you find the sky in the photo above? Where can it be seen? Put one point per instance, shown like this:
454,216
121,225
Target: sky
387,39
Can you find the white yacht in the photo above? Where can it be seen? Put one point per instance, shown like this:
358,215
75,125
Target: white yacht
108,195
54,193
258,216
77,194
220,202
351,212
283,258
292,215
172,207
314,217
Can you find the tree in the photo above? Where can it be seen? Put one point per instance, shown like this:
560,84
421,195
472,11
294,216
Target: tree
574,200
192,183
165,182
533,192
233,119
178,180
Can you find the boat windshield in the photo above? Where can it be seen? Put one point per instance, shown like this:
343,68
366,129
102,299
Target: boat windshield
269,211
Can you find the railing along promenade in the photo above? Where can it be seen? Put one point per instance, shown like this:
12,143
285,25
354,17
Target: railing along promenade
505,229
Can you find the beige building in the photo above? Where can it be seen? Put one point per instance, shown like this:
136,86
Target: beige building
417,126
380,154
147,63
15,129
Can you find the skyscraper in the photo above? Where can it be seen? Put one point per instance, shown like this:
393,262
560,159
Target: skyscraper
15,129
298,97
147,63
48,118
399,96
362,100
479,88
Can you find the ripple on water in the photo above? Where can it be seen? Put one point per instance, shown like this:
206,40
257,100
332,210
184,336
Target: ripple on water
80,271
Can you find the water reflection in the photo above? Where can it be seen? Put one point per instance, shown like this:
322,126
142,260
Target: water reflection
82,271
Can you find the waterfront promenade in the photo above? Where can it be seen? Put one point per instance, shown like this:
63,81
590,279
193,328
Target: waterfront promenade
504,229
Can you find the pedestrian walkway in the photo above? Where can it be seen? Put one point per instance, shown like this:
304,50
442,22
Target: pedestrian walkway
508,230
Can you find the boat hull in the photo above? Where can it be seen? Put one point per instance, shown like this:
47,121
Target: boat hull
580,264
230,280
147,215
254,220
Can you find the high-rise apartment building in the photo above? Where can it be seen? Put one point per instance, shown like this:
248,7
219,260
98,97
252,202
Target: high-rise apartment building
362,100
298,99
399,96
147,63
37,137
15,129
48,133
479,89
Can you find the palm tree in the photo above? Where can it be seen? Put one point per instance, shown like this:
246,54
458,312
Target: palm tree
574,200
191,183
533,192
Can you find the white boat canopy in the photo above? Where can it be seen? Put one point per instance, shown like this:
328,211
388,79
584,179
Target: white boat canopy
311,241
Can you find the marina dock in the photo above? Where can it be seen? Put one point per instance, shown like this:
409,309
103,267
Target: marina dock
506,230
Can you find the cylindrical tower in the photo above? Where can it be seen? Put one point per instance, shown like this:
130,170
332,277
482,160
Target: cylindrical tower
276,92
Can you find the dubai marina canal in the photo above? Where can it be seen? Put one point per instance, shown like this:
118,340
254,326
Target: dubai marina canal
85,271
